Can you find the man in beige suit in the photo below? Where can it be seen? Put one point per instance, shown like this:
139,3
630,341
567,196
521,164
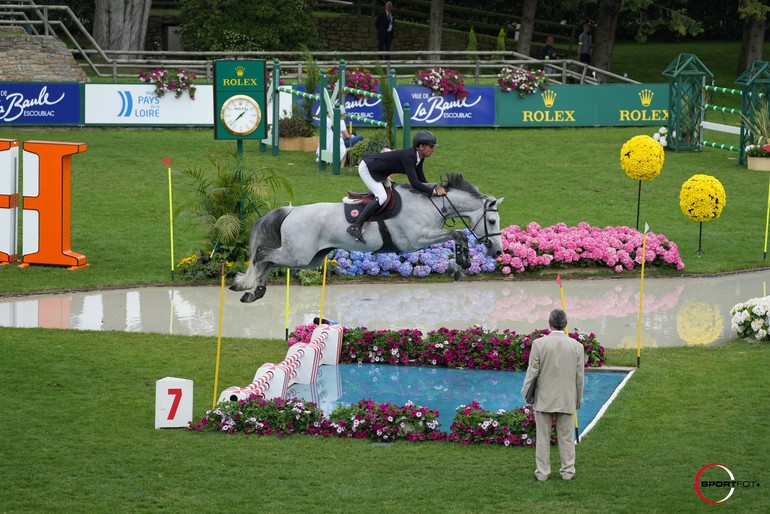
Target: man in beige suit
556,363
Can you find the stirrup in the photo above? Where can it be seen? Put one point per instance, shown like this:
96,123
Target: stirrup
356,232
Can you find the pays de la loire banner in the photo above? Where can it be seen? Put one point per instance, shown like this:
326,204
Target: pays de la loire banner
137,104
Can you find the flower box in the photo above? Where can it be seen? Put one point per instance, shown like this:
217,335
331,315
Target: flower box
759,163
298,144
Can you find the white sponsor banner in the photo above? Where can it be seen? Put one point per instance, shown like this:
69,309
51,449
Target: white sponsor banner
137,104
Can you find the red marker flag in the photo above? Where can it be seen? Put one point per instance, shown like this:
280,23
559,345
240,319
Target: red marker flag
558,280
167,161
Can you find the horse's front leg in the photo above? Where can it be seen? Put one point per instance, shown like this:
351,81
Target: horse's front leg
454,271
462,249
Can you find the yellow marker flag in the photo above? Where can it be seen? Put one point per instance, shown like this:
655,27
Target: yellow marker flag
167,162
566,331
323,291
767,220
287,302
219,338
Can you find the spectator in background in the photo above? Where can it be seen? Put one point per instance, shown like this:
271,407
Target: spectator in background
386,26
548,51
584,44
349,138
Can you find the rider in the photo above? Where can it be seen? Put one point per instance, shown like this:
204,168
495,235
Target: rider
375,170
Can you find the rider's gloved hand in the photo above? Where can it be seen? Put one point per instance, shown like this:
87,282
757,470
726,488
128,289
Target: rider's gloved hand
439,191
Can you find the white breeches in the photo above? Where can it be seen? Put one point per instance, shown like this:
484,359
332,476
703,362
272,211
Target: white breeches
378,188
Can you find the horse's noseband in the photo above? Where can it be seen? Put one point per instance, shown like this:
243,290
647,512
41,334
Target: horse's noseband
485,238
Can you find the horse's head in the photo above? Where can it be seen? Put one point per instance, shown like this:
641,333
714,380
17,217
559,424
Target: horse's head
481,209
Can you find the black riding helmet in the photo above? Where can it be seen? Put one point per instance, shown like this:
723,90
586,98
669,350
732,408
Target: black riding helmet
424,138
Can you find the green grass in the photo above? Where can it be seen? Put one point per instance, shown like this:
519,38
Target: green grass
548,176
78,436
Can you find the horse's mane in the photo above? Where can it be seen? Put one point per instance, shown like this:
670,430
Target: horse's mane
455,180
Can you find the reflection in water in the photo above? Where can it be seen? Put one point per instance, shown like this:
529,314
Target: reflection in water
699,322
676,311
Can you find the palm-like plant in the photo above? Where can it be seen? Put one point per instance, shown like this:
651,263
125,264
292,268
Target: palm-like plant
229,200
759,126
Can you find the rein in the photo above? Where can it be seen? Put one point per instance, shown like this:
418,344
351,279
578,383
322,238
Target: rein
449,220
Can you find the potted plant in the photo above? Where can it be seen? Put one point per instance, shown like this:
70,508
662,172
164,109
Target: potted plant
758,152
442,81
297,134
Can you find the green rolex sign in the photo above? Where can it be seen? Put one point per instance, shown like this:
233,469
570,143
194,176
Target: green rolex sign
608,105
239,99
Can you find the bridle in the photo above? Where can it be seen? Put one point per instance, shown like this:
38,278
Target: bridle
449,220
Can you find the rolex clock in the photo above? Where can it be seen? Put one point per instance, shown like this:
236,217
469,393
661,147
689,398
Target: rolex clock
240,115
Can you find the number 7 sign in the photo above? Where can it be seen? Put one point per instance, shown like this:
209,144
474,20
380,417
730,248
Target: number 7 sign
173,402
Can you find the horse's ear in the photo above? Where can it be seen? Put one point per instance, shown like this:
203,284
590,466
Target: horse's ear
496,201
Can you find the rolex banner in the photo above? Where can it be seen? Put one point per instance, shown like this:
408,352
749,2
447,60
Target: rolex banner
609,105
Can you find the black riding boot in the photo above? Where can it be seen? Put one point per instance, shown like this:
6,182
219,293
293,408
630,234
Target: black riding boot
355,229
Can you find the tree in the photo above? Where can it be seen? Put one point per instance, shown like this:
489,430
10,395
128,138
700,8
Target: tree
436,22
121,24
649,16
604,35
754,14
527,27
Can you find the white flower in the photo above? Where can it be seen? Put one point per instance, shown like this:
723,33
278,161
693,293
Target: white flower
663,131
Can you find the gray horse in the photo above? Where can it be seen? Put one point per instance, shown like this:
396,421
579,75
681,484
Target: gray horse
300,237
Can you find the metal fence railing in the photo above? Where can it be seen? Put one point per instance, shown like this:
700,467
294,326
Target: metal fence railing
478,67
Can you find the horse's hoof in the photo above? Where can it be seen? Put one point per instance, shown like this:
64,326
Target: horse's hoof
463,262
235,287
248,298
260,292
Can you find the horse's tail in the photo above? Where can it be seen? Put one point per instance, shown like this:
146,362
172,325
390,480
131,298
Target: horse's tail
265,234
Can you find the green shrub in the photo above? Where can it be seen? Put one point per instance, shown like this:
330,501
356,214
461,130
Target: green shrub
234,25
500,46
472,45
375,143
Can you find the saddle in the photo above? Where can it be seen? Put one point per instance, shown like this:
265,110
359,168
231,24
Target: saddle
355,202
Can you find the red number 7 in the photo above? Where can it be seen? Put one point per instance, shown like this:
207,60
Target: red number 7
177,393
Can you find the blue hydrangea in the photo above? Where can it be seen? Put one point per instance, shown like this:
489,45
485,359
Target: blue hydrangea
420,263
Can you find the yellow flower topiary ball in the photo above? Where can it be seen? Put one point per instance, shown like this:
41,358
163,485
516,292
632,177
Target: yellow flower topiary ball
642,158
702,198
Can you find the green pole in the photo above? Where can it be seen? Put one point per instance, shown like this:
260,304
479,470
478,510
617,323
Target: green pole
276,104
407,126
335,138
323,119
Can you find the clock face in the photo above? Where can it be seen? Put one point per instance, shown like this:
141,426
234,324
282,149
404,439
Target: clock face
240,115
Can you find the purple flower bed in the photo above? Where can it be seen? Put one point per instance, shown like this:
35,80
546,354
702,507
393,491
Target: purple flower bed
474,347
368,419
528,249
